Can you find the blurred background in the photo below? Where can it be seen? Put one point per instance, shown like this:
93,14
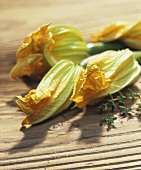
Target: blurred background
18,18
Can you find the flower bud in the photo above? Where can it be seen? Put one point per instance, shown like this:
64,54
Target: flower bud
127,32
45,47
68,44
30,60
34,66
107,73
52,94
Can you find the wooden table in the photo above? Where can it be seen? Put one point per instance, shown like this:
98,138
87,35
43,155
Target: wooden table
74,139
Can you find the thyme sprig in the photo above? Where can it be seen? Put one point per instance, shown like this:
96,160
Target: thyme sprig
108,120
118,101
138,106
125,110
132,94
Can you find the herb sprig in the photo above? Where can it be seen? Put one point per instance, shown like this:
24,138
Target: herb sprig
108,120
118,101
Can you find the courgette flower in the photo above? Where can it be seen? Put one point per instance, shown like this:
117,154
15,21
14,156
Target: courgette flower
45,47
107,73
68,44
51,95
127,32
30,60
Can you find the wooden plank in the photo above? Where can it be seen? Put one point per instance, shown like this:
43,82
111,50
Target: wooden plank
74,139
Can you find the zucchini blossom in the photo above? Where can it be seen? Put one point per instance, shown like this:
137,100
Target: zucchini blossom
106,73
127,32
45,47
52,95
68,44
30,60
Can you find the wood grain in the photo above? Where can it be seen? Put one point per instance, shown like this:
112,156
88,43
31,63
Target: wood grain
74,139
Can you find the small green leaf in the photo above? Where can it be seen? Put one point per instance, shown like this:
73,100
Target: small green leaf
139,106
132,94
124,110
111,103
102,107
108,120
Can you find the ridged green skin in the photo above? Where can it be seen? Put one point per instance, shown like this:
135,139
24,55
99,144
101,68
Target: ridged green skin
120,66
98,47
60,81
27,66
137,56
68,44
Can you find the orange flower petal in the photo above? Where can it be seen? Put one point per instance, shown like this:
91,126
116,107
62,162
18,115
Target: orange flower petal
89,83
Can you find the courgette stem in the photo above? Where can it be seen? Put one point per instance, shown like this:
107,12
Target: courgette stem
98,47
137,55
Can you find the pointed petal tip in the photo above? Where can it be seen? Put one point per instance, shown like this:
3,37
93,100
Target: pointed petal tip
26,121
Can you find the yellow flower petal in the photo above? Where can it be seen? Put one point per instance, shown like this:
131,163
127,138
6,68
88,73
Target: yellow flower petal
30,105
111,32
30,58
52,94
89,83
128,32
34,43
33,65
54,43
108,72
132,37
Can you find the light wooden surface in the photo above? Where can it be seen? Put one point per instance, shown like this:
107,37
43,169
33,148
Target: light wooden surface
72,140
